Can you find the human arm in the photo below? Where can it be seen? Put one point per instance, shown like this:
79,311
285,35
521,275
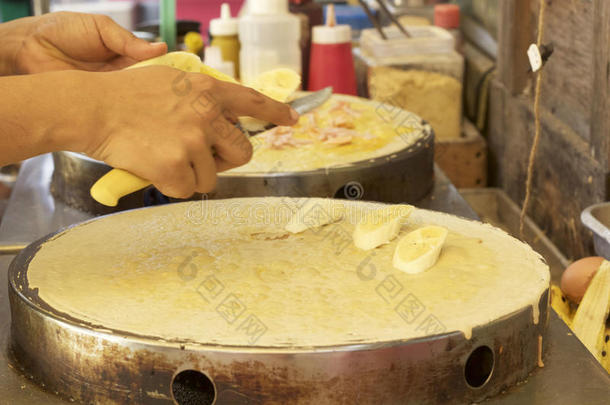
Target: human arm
170,127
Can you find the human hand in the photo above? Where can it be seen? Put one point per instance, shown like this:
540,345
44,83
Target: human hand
173,128
65,40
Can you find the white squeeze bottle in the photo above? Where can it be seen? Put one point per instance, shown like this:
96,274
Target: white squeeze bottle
269,37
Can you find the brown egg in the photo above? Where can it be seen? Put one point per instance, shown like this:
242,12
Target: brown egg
577,277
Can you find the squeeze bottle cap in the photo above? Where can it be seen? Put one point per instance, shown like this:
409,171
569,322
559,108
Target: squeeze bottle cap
225,25
331,33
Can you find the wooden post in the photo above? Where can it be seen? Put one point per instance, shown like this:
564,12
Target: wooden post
515,35
600,116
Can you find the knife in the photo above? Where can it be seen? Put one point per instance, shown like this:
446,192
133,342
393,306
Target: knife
118,183
302,105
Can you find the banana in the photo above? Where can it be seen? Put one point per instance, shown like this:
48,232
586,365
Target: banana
206,70
179,60
589,323
380,226
419,250
315,213
278,84
561,305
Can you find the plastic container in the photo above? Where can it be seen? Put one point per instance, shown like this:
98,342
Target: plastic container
224,36
447,16
332,63
269,37
422,74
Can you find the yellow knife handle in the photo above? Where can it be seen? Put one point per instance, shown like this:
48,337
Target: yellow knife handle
115,184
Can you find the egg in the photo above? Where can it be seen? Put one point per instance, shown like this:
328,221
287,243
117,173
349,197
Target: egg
577,277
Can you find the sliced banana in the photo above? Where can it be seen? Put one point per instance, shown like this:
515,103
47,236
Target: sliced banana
419,250
314,214
380,226
179,60
279,84
206,70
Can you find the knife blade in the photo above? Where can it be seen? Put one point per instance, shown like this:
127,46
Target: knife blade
301,105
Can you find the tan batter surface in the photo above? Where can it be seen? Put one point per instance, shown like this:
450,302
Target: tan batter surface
381,130
225,272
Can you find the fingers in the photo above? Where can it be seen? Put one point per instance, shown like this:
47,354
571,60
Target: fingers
202,162
173,173
246,101
232,146
122,42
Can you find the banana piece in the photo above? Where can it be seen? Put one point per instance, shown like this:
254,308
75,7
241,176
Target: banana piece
561,305
314,214
206,70
380,226
186,61
589,323
417,251
279,84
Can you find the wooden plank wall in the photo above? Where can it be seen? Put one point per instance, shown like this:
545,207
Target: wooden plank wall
572,164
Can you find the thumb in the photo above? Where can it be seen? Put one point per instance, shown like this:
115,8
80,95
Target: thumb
122,42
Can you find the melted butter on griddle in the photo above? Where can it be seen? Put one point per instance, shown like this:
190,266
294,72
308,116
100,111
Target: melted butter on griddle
158,273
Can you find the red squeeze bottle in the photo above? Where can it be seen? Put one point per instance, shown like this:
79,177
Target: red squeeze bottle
331,62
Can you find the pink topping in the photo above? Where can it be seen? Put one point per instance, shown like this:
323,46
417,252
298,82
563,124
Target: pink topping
341,132
337,136
282,137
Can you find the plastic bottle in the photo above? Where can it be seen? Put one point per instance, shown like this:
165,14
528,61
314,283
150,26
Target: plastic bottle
447,16
214,59
269,37
331,57
224,36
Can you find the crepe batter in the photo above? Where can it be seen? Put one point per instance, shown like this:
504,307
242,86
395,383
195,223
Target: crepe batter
157,272
381,130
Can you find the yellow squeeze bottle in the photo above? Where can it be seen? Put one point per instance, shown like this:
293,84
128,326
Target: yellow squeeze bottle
223,31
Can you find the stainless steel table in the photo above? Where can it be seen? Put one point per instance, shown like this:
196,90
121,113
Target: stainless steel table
570,376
